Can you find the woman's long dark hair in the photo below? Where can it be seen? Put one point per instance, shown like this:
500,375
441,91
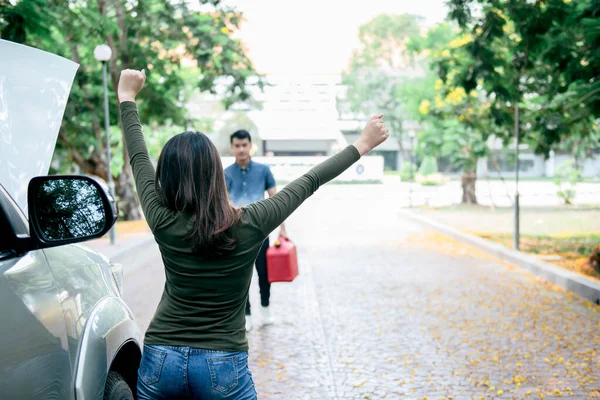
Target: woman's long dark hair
190,179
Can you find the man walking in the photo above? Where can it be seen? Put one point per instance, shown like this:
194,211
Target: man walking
247,182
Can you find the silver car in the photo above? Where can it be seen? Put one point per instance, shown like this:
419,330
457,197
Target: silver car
65,331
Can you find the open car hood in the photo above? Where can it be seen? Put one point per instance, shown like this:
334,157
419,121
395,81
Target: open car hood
34,89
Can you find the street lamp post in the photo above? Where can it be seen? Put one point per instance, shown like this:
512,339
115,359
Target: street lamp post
516,233
103,53
411,134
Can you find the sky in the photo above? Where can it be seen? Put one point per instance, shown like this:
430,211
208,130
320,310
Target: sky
315,36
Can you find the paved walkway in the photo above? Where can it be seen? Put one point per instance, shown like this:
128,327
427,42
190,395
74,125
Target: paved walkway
385,310
130,236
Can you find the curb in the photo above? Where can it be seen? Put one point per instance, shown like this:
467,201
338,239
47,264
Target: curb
575,283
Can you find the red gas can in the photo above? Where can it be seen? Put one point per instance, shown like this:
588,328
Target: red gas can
282,262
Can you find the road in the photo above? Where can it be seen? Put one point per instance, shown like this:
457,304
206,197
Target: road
385,309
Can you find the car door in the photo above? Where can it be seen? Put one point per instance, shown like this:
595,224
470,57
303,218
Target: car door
34,356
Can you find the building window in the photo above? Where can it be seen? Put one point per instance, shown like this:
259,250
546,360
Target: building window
390,159
507,165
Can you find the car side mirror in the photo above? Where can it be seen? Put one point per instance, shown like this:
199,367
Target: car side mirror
68,209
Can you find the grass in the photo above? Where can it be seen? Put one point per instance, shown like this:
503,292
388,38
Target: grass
540,179
564,236
568,251
535,221
507,178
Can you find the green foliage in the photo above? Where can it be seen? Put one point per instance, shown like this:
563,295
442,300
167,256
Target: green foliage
431,183
583,146
435,40
383,41
541,54
456,128
428,166
566,179
160,36
408,171
456,122
594,260
377,77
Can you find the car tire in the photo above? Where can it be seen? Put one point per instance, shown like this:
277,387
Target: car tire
116,388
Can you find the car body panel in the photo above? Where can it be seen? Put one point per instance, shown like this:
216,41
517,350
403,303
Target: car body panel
34,354
110,326
82,284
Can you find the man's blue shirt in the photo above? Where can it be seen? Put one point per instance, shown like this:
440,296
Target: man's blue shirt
248,185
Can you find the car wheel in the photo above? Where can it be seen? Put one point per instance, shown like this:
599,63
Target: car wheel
116,388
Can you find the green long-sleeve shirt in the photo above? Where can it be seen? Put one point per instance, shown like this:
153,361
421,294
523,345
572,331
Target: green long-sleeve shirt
203,301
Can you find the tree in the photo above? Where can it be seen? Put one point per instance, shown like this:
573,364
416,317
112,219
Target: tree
382,75
153,34
566,178
450,117
455,122
456,128
539,54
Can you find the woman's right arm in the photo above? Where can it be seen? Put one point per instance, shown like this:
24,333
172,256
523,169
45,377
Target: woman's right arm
155,212
268,214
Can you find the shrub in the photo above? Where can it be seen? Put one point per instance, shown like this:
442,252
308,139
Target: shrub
566,177
428,166
408,171
595,259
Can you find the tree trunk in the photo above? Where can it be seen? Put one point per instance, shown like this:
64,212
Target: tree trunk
129,204
468,187
405,154
576,162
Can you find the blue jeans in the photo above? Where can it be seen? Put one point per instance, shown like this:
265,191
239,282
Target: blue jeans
177,372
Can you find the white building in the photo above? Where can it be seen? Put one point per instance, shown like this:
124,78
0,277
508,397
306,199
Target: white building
293,116
530,165
298,116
